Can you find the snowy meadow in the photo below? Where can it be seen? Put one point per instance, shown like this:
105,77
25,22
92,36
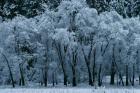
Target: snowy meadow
70,91
72,49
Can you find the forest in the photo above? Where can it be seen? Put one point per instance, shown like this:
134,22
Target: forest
69,43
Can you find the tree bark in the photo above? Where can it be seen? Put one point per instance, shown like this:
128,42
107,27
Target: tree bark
89,74
133,78
127,83
112,79
10,71
87,60
74,78
46,77
44,74
62,59
65,79
139,79
22,80
73,65
53,77
99,76
94,67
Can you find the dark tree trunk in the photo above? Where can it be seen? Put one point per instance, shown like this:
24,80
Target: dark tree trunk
62,60
127,83
118,70
56,82
64,73
112,79
89,74
45,77
99,76
93,73
133,78
74,78
87,60
22,80
120,75
89,70
121,79
65,80
10,71
139,79
94,67
73,65
53,79
44,73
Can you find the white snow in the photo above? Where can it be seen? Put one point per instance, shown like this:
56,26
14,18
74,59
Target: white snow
69,90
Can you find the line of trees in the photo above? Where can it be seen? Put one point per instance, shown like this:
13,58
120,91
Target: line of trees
30,8
72,45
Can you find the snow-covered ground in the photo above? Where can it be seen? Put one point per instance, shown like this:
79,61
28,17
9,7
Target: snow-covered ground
70,90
